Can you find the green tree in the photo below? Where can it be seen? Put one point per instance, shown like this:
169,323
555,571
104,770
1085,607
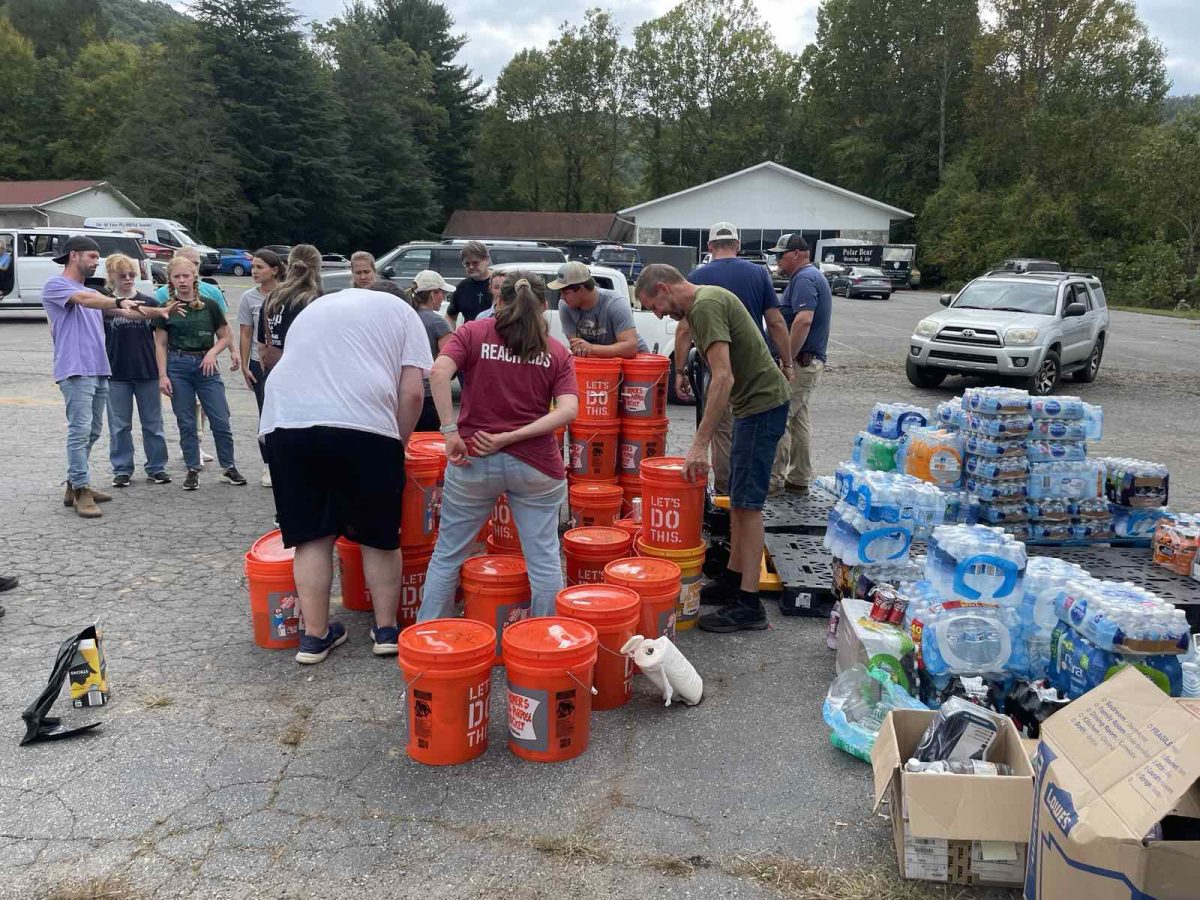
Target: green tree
57,27
98,91
1164,172
22,150
516,163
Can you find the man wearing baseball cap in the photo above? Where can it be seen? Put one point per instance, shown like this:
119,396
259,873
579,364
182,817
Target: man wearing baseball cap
811,302
81,366
595,320
751,284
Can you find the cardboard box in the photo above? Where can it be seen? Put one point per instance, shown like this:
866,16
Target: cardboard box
1112,765
89,670
962,829
863,641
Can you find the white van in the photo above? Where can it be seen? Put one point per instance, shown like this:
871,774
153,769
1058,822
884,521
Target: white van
27,262
161,231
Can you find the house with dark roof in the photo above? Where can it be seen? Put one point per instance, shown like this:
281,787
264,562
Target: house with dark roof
38,204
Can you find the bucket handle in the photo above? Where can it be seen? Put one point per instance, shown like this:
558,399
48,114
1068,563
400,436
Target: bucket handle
574,679
409,684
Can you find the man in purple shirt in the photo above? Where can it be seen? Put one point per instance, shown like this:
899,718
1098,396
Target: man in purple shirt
81,368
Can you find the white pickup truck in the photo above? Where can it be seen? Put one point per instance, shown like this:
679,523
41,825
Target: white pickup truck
659,334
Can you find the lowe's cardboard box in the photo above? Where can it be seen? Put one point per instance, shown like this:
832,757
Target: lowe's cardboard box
1117,811
959,829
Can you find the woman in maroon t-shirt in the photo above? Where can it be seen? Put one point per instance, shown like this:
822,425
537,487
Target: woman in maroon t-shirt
503,441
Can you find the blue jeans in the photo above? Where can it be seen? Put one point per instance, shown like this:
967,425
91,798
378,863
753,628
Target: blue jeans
86,397
121,395
754,441
467,500
189,384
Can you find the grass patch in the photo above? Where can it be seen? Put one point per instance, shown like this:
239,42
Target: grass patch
102,887
679,866
798,881
158,701
1193,314
293,735
570,847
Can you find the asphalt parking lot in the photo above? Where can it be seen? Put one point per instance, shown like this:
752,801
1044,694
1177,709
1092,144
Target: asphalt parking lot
223,770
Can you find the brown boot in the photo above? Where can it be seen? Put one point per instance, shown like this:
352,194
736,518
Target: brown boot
98,495
85,504
69,496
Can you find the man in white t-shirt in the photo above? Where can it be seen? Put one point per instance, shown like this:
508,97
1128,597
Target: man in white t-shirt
338,409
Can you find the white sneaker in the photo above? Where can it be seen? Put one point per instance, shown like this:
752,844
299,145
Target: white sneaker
266,478
205,457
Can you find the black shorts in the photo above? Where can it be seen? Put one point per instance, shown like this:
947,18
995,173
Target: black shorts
337,482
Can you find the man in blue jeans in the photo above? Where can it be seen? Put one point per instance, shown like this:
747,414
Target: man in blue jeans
81,366
744,374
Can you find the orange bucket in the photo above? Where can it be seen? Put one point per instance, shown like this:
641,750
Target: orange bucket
632,527
631,488
599,382
691,569
657,583
356,596
592,449
494,549
426,443
274,604
447,666
640,439
614,612
504,529
594,503
412,586
672,508
588,550
424,469
496,592
644,386
549,662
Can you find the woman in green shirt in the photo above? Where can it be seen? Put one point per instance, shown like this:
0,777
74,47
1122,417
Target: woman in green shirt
186,348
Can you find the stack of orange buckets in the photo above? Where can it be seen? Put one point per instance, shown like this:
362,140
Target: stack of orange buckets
672,528
644,422
594,492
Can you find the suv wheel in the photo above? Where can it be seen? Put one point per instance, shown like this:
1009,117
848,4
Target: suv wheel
1046,379
922,376
1088,373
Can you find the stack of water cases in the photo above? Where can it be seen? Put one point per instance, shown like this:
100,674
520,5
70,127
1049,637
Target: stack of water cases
879,514
996,424
876,447
1137,492
1065,486
1103,625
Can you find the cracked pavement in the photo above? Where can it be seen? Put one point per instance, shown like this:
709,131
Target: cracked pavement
223,770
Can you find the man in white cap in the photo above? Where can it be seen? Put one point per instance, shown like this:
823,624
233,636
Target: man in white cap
596,321
751,284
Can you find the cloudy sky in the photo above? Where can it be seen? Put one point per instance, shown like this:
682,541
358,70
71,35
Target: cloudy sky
497,30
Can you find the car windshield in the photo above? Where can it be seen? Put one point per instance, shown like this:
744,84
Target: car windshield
1010,296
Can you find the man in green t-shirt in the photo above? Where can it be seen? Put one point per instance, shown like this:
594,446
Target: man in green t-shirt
744,374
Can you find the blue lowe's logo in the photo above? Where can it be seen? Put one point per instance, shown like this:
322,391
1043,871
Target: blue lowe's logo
1061,808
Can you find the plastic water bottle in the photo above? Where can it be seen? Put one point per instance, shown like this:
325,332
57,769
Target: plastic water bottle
1050,531
1010,426
1059,430
986,489
982,445
1079,480
874,452
1191,669
1093,417
1132,522
847,475
891,420
1049,509
997,467
1092,508
951,413
1055,451
1122,617
996,400
976,563
1000,512
972,640
1057,408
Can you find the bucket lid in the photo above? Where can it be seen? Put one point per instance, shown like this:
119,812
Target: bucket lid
690,553
501,569
448,640
549,637
596,491
598,538
648,360
629,526
269,548
664,467
642,571
598,364
429,444
598,603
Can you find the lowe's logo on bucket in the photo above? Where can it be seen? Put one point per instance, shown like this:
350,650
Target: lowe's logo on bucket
1061,808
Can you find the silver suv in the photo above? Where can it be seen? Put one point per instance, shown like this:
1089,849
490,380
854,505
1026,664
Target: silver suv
1034,327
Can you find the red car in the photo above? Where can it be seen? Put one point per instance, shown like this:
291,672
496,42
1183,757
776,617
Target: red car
156,251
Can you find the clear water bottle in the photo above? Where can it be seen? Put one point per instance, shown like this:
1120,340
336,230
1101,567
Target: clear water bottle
1191,669
1011,427
1055,451
951,413
1093,417
1059,430
973,640
1062,407
996,400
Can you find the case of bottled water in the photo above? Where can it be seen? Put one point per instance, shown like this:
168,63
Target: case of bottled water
982,445
846,477
1177,543
1049,509
1008,427
1097,508
1068,480
997,468
976,563
1060,407
1059,430
1000,512
932,454
972,640
1122,617
1093,417
1091,530
996,400
951,413
1134,522
1077,665
986,489
856,540
1050,531
1055,451
891,420
874,452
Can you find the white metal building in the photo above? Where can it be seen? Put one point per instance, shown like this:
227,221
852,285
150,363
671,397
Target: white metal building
38,204
764,201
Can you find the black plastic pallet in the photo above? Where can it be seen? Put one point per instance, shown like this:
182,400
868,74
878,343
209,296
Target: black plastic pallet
1135,564
803,566
798,514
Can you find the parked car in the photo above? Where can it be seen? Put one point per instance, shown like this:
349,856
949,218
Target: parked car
861,281
154,250
1027,265
1034,327
831,270
616,256
234,261
334,261
281,250
28,255
402,263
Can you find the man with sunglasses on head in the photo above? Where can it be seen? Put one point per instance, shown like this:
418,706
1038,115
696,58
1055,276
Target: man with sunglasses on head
596,321
811,304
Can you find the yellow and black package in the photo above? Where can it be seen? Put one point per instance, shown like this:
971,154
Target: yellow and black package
92,677
89,670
